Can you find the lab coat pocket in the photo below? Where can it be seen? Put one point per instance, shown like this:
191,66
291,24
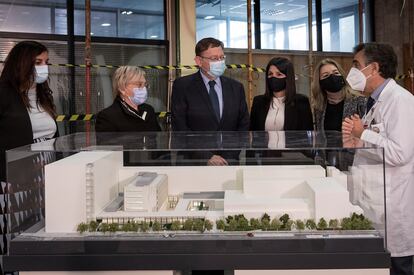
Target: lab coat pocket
378,128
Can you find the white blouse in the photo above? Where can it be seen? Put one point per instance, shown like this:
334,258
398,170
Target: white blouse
43,125
275,120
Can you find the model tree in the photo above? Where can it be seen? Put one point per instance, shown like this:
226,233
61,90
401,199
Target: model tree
156,226
310,224
198,225
221,224
286,225
243,224
188,225
254,224
333,223
144,226
127,227
322,224
82,227
300,225
113,227
265,217
208,225
265,224
275,224
104,227
175,225
93,226
233,224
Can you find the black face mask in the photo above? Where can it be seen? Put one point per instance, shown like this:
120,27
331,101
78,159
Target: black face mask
333,83
276,84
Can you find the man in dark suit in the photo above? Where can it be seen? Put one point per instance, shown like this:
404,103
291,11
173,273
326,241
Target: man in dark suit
206,100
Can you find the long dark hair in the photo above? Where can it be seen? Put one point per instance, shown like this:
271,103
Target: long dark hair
19,72
286,67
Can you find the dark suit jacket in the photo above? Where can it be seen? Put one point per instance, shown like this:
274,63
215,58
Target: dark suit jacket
193,111
116,118
15,125
298,116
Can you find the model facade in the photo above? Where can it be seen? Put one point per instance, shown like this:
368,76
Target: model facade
98,187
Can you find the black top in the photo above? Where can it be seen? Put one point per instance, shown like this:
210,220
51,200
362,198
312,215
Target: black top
119,117
298,115
15,125
333,116
192,109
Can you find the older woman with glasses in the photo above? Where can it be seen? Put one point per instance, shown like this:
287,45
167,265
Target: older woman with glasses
129,112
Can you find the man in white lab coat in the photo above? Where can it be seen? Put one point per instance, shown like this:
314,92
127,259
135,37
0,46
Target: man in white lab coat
388,123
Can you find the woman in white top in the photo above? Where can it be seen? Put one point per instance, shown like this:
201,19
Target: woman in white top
280,108
27,111
27,115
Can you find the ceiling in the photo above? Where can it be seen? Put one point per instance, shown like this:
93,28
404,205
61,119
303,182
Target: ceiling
281,10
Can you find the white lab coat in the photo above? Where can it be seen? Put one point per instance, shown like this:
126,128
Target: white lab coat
391,126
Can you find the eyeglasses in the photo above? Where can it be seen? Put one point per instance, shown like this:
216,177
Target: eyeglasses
214,58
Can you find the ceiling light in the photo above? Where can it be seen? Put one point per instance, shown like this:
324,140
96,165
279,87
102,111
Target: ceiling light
272,12
126,12
154,36
209,17
106,24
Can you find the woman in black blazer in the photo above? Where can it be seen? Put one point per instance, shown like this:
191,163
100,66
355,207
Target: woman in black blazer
128,112
280,108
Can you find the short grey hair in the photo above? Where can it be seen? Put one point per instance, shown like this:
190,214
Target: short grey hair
123,76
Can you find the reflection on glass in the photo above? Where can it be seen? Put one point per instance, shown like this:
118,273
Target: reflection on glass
224,20
32,18
339,25
130,19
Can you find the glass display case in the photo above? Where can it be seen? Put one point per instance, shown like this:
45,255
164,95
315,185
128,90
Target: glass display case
195,200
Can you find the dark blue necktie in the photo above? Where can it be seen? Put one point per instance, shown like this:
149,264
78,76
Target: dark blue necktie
370,103
214,98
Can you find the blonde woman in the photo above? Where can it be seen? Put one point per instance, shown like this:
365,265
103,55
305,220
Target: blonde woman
129,112
332,99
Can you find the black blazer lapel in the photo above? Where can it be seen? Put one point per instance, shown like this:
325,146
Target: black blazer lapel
202,90
290,117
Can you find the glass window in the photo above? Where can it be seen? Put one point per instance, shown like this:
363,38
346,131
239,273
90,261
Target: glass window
295,32
346,33
339,25
286,24
127,18
102,23
32,17
213,28
224,20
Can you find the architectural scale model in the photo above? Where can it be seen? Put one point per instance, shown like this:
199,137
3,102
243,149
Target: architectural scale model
97,187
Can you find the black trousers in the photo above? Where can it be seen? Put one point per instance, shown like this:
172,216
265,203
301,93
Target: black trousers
401,265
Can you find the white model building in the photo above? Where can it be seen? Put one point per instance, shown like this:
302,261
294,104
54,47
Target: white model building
93,187
303,193
146,192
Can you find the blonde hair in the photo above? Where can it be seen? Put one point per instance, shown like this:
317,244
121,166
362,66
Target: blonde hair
318,96
123,76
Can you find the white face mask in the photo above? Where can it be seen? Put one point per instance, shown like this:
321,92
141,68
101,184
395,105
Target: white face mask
357,79
42,73
217,68
140,95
